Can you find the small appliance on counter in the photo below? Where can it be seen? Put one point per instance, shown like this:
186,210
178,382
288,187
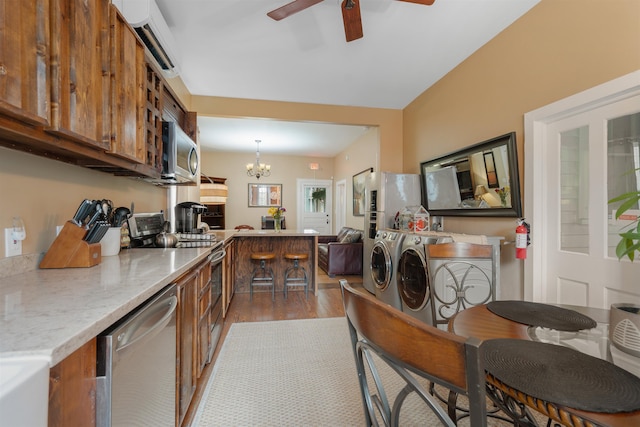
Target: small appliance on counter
145,227
187,215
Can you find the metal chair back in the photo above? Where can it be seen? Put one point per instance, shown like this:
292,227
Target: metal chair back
461,275
410,348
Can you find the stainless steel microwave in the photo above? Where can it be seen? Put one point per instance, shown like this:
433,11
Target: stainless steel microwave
179,155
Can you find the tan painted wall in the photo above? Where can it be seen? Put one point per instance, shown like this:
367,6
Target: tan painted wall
389,122
361,155
557,49
286,170
45,193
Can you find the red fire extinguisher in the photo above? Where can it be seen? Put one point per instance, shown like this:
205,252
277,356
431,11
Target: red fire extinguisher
522,239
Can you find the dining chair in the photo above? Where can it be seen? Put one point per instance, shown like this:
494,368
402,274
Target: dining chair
461,275
382,335
243,227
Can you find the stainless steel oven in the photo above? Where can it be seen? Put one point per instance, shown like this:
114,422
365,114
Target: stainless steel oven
217,256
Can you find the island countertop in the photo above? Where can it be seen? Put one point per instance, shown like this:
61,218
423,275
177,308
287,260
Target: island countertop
52,312
273,233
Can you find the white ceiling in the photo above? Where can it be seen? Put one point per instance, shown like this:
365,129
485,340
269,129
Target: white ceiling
231,48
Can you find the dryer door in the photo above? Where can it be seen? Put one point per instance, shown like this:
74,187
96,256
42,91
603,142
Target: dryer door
413,280
381,268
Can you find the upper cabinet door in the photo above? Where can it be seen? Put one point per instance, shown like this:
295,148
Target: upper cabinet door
80,74
24,60
128,84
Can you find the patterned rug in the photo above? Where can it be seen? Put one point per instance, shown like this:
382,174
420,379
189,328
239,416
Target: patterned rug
293,373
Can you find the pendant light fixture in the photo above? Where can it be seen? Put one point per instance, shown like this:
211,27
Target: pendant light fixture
258,169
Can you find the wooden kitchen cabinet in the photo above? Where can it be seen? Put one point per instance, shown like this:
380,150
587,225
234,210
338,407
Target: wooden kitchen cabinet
128,87
72,389
154,85
80,72
214,216
228,274
78,86
24,60
204,318
186,342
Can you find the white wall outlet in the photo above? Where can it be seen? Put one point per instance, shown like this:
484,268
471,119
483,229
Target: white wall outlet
11,247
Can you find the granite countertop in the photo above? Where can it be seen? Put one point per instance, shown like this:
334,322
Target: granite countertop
53,312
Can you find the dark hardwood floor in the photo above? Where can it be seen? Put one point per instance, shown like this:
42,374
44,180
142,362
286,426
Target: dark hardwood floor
327,303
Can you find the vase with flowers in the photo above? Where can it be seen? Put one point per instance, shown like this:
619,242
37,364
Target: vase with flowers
503,193
276,212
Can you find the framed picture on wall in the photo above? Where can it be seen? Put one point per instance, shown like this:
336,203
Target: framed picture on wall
265,195
358,191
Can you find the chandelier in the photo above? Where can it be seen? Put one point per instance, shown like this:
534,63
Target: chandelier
258,169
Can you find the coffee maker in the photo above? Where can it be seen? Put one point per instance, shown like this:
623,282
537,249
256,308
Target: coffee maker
187,215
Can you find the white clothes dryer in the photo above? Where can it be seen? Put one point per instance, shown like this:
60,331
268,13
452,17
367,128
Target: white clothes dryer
413,278
383,260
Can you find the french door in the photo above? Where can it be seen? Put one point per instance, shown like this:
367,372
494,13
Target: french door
578,158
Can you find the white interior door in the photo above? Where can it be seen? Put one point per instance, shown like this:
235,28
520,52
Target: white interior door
314,205
578,164
341,204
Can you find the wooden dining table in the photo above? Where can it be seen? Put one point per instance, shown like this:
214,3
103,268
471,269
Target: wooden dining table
481,323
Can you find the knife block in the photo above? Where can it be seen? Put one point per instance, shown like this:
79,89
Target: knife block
69,250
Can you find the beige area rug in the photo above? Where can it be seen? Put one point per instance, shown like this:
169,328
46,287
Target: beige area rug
293,373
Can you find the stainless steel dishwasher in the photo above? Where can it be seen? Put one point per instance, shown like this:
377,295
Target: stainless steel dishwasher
136,370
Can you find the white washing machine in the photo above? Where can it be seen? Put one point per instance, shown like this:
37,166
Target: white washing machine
412,276
383,261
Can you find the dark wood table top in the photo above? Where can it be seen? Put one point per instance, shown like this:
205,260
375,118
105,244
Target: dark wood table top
481,323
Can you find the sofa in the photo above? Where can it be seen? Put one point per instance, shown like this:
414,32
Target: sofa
341,254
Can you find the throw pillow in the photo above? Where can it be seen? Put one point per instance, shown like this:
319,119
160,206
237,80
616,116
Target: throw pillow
343,232
352,236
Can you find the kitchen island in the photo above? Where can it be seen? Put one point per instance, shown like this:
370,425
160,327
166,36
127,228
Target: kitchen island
278,242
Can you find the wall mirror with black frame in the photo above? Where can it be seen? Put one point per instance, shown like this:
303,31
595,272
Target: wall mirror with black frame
480,180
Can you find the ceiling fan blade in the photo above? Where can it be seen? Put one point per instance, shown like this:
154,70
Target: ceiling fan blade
351,19
291,8
424,2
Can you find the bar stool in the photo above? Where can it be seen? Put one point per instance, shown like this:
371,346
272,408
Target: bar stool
296,275
262,275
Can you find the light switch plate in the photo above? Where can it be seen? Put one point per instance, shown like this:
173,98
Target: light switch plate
11,247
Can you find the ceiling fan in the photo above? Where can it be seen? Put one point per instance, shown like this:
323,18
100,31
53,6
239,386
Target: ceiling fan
350,13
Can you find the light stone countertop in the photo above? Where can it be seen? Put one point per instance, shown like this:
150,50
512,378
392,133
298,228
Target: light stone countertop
53,312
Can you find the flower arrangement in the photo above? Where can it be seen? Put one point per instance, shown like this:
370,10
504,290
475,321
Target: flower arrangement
276,211
503,193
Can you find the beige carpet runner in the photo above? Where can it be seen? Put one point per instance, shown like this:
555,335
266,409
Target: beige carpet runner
292,373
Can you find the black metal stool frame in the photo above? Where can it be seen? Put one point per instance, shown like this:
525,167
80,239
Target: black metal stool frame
296,281
266,279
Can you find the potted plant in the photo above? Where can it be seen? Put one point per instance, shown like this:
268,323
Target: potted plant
318,196
630,237
624,318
